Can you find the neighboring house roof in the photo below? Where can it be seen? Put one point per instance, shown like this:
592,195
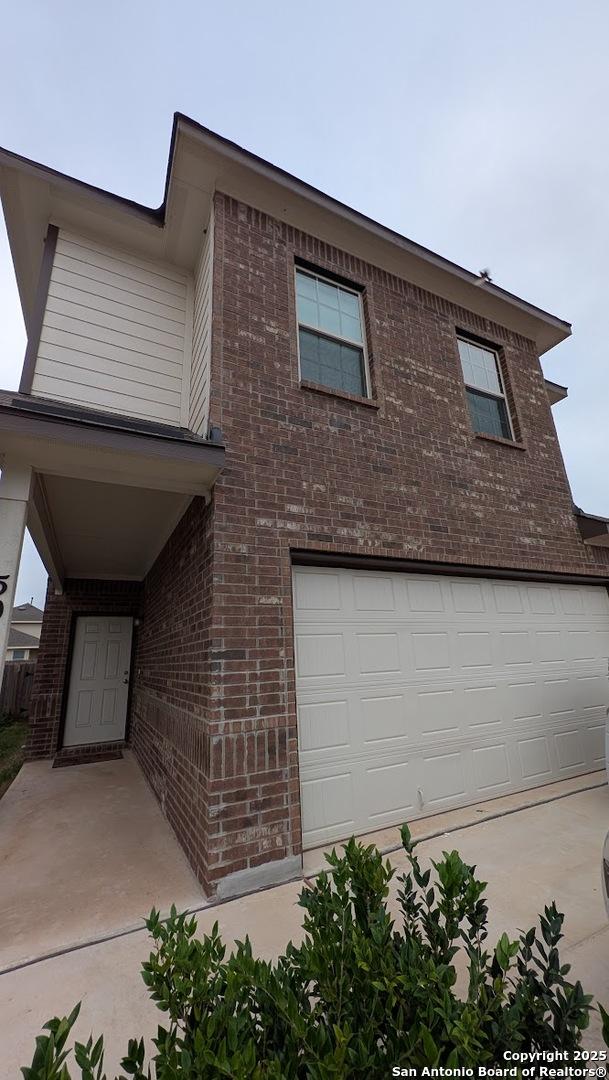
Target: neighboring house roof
27,613
18,640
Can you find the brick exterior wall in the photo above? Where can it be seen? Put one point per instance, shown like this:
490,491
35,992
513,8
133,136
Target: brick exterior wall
173,687
213,716
404,477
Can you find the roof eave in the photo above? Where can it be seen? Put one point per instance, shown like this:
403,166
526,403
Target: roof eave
559,329
594,530
8,158
555,391
546,329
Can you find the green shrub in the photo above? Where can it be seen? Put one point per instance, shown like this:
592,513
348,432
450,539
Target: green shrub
359,996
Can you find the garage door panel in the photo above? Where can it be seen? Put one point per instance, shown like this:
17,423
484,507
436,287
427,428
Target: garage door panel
524,700
590,692
324,726
534,756
317,592
515,648
378,653
466,597
558,697
320,655
373,592
384,717
581,645
437,712
551,647
491,768
595,601
508,599
482,708
327,803
444,779
474,649
390,792
420,693
425,594
431,651
571,600
541,600
595,745
570,749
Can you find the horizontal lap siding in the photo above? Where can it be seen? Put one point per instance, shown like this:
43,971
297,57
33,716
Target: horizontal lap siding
201,342
113,332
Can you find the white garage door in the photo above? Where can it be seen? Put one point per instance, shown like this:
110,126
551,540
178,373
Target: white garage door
417,693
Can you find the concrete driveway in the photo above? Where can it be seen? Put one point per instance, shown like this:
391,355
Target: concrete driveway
529,854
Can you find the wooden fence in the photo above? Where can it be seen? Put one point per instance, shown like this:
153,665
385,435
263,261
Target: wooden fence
17,687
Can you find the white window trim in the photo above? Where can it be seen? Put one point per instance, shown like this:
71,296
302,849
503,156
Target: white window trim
489,393
334,337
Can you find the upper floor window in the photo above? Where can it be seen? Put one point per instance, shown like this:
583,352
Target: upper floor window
485,390
331,334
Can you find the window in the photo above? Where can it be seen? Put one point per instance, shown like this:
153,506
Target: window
485,390
19,654
330,334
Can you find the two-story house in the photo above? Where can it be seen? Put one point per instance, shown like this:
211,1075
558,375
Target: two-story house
311,545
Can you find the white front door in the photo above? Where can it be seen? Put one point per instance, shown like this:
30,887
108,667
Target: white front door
417,693
99,680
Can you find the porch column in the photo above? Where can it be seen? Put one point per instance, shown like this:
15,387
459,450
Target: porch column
15,488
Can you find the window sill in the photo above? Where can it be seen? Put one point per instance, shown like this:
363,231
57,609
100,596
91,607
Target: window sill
500,441
357,399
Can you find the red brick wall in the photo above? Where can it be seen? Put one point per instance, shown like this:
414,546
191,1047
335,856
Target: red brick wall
172,691
406,478
102,597
208,750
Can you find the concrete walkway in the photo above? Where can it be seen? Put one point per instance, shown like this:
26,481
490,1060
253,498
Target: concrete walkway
84,852
551,850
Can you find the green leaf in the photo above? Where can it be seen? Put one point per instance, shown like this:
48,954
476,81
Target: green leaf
605,1020
366,987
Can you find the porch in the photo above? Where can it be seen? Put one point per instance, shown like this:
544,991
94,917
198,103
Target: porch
100,494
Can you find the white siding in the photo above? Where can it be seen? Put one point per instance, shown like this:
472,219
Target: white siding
201,341
114,332
33,629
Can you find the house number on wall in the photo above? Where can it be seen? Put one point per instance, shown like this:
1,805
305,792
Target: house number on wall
3,587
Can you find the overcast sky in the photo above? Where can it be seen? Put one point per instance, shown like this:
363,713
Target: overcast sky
478,129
